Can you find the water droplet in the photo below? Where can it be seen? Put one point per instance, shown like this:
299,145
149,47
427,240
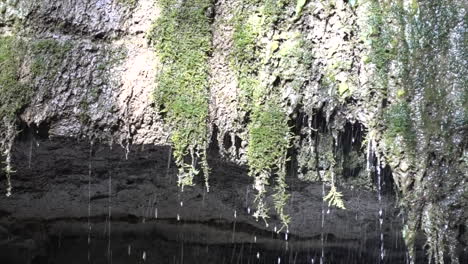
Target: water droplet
279,260
248,210
328,211
178,217
286,236
255,239
235,214
275,229
144,256
156,213
258,255
181,203
129,250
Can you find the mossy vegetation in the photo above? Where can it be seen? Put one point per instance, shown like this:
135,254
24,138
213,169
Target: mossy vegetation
268,131
48,54
399,123
182,38
269,140
14,94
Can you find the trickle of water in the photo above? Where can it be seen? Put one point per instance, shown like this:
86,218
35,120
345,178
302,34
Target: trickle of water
178,217
279,260
322,236
255,239
144,256
156,213
235,214
109,252
286,237
30,153
379,187
129,250
275,229
90,169
127,150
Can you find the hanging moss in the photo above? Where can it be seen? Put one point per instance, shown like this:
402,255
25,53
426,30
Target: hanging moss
14,94
269,140
182,39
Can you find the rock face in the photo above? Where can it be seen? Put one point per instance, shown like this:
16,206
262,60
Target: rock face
370,110
101,87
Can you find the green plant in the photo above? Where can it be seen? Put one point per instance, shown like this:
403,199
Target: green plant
269,140
334,198
14,94
399,123
182,40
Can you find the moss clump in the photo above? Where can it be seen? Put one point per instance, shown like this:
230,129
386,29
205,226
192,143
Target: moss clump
399,123
14,94
244,58
269,140
182,40
48,54
269,135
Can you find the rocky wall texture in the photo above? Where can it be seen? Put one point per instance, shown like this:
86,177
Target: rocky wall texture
348,94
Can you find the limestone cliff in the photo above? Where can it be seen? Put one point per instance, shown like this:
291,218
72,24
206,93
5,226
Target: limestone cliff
334,94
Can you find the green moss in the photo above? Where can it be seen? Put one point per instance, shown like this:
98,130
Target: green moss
182,40
14,94
244,58
269,140
399,123
268,131
48,54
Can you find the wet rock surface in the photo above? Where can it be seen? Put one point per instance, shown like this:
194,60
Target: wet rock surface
56,181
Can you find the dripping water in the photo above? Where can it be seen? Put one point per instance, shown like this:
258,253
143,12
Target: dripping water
109,251
379,187
322,235
90,169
